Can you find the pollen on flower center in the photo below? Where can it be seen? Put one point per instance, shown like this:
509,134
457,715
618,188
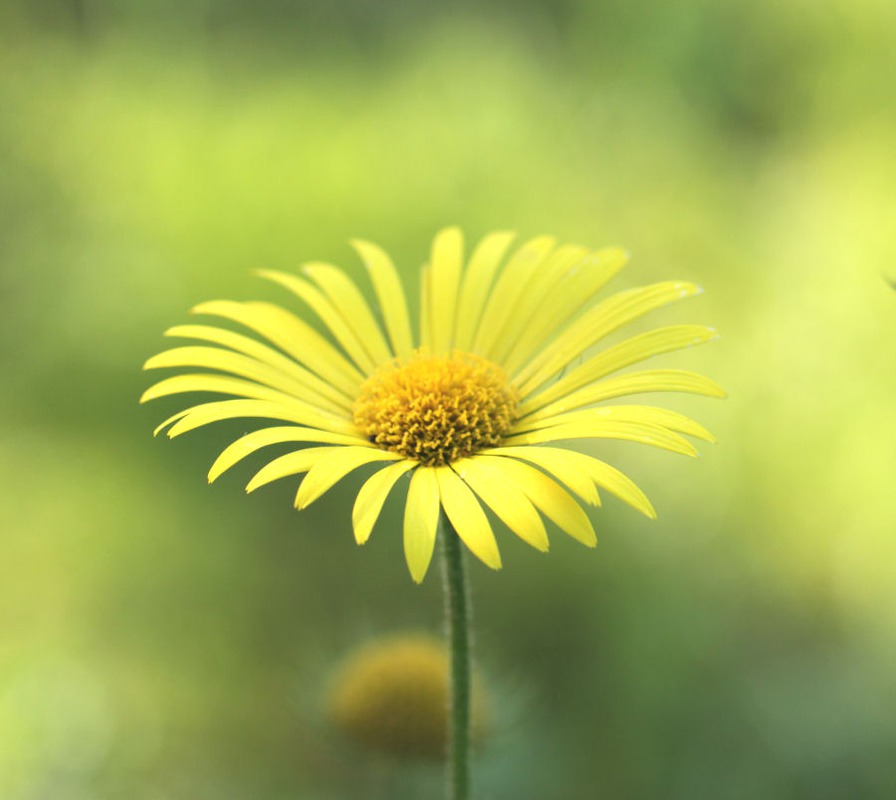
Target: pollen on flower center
436,410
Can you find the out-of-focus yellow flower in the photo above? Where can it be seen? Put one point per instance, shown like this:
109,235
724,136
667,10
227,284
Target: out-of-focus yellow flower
472,407
392,696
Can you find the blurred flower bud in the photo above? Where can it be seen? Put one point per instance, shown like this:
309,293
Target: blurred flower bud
391,695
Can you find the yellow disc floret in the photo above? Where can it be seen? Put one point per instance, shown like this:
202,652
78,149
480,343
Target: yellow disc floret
436,410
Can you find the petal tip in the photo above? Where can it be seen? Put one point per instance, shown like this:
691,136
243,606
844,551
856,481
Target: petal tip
418,574
265,274
622,254
494,560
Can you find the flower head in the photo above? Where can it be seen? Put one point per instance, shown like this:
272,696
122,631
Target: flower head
469,412
392,695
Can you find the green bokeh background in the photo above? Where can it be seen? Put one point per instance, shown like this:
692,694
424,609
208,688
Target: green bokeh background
162,639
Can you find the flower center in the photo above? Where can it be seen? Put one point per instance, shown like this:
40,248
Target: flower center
436,410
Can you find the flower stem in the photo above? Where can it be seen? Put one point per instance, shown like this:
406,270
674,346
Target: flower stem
457,618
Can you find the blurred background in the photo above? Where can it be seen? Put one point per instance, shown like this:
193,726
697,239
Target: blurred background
163,639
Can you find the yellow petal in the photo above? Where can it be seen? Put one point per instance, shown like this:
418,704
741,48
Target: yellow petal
350,303
341,330
507,290
619,484
171,420
510,505
294,411
528,306
467,517
274,358
390,294
631,351
558,462
650,415
595,324
245,367
334,467
291,464
372,496
562,302
477,281
644,382
426,332
251,442
208,382
602,474
608,428
446,262
292,335
421,519
548,497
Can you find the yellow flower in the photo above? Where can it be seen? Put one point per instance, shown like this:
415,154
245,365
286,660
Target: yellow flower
392,695
473,408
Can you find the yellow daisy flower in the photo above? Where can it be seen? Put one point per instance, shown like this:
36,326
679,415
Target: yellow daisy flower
392,695
474,408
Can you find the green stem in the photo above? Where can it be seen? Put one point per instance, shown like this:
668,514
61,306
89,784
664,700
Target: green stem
457,617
